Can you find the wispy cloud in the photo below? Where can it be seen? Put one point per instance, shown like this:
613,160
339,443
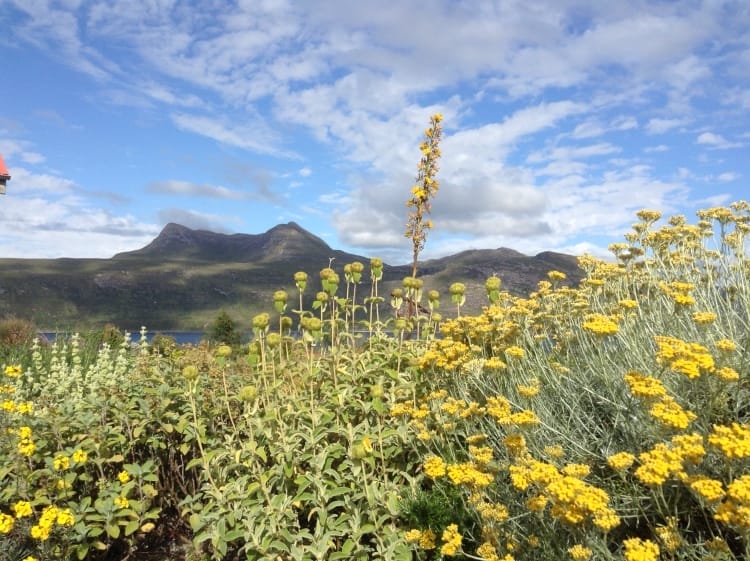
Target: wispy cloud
717,141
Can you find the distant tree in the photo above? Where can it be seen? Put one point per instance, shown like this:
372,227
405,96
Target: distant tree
224,330
162,344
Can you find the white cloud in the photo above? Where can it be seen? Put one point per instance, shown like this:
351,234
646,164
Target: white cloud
186,188
717,141
728,176
195,220
660,126
252,136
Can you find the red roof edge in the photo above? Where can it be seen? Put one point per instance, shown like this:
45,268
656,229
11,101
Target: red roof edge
3,169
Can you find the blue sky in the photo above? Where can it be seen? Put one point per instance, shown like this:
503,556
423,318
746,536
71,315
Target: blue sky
562,118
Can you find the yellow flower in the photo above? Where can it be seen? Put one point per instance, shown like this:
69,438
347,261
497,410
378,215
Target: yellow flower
669,535
80,457
576,470
26,407
123,477
40,532
733,441
65,517
537,503
515,443
704,318
554,451
26,447
121,502
427,540
600,325
515,352
451,541
621,461
726,345
481,454
670,413
24,433
8,405
637,549
6,523
13,371
434,467
61,462
468,474
579,552
29,558
727,374
710,490
556,276
22,509
413,536
644,386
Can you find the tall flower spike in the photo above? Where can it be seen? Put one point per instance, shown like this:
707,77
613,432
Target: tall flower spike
424,189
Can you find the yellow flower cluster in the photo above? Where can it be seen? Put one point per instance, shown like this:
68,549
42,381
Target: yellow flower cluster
579,552
451,539
621,461
50,516
671,413
424,538
529,390
467,473
600,324
708,489
13,371
573,500
637,549
491,512
733,441
726,345
727,373
6,523
481,454
80,456
446,354
434,467
515,352
679,292
666,460
644,386
22,509
669,536
690,359
26,446
735,509
61,462
704,318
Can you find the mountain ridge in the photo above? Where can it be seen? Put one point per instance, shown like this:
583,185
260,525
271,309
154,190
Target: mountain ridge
184,277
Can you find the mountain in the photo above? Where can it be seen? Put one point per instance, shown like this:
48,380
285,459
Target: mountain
184,277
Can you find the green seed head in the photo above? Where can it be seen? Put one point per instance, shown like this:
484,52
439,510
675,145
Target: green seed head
493,283
224,351
190,372
248,393
261,321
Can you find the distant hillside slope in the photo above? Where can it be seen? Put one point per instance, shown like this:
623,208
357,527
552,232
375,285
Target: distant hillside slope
184,277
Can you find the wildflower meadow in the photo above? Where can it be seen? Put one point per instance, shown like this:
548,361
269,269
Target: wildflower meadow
607,420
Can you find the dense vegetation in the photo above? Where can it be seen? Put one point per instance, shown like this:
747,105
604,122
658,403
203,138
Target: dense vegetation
607,421
610,420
